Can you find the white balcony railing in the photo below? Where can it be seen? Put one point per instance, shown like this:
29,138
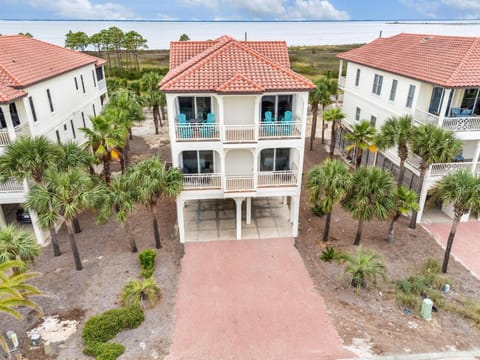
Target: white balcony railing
202,181
239,183
280,129
4,138
11,186
458,123
277,178
443,169
239,133
20,130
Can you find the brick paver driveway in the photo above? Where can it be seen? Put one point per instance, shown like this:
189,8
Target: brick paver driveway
466,245
250,299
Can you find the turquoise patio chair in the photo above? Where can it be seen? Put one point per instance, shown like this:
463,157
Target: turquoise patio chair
208,127
184,129
287,123
269,126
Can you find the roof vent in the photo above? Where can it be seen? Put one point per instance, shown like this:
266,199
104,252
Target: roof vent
425,39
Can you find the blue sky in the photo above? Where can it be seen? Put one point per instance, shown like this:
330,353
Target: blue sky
241,9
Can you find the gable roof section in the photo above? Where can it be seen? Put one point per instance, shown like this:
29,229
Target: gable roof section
25,61
181,51
232,66
450,61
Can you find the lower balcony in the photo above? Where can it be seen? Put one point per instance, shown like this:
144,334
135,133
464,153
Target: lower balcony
20,130
442,169
241,183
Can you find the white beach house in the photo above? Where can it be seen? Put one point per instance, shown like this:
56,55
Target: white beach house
44,90
436,79
237,118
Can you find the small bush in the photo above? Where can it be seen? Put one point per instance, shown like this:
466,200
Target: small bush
330,254
101,328
364,266
147,262
135,292
431,266
408,299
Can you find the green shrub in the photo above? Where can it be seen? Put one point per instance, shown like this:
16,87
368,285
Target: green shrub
101,328
147,262
431,266
330,254
364,266
135,292
408,299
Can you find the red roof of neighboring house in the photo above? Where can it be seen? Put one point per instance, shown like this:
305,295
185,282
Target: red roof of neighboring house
450,61
25,61
230,66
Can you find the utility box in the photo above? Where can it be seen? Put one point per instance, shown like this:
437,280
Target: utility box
426,310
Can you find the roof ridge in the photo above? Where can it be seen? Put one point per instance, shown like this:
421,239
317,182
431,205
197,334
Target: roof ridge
459,67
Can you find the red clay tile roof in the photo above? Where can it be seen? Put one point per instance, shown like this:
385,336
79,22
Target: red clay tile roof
450,61
25,61
9,94
181,51
232,66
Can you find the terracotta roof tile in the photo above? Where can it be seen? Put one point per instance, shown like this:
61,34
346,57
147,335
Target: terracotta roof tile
240,84
450,61
9,94
228,59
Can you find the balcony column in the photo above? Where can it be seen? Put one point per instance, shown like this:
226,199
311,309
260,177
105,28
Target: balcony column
443,108
423,195
8,120
238,226
256,116
221,117
476,158
295,207
181,220
248,216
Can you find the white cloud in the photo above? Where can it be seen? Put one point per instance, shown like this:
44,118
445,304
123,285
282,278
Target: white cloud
424,7
467,9
85,9
317,9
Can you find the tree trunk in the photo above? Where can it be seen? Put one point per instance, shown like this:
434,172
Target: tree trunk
163,110
451,236
413,220
358,157
76,225
73,244
126,153
323,126
156,233
136,59
358,237
401,172
314,125
332,140
53,236
326,230
131,239
106,169
156,116
130,134
391,228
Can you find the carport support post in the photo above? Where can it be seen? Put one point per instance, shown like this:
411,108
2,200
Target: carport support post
249,211
238,203
180,220
295,207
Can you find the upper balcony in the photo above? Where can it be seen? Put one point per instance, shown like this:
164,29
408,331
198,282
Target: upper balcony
453,123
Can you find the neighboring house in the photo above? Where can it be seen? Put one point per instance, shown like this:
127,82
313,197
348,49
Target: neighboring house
436,79
44,90
237,118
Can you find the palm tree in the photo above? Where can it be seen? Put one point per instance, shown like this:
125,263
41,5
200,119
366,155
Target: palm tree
105,137
335,115
17,244
462,189
433,145
119,199
363,267
362,136
152,98
74,156
320,95
397,131
66,194
15,292
406,201
371,196
328,184
28,158
154,181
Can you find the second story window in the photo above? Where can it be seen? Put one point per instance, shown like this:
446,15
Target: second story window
377,84
73,129
373,120
195,107
393,90
32,108
83,84
357,78
76,83
277,105
50,100
14,114
357,113
275,159
411,94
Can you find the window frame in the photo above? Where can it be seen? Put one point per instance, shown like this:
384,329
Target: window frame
393,90
373,120
377,84
32,108
357,77
83,84
358,112
274,159
50,101
410,96
73,129
199,168
76,83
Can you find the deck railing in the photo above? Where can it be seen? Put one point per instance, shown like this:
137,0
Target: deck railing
277,178
239,133
20,130
202,181
4,138
239,183
280,130
11,186
457,123
443,169
197,132
423,117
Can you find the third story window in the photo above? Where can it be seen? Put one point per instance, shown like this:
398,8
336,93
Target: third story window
50,100
357,78
357,113
32,107
377,84
393,90
83,84
411,94
76,83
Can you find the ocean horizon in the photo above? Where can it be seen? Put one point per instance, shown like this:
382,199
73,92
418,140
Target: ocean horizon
159,33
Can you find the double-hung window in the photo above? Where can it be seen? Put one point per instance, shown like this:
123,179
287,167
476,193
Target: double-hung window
393,90
50,102
377,84
357,113
411,94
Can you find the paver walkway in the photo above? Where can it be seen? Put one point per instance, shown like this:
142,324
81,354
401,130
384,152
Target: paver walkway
466,247
250,299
